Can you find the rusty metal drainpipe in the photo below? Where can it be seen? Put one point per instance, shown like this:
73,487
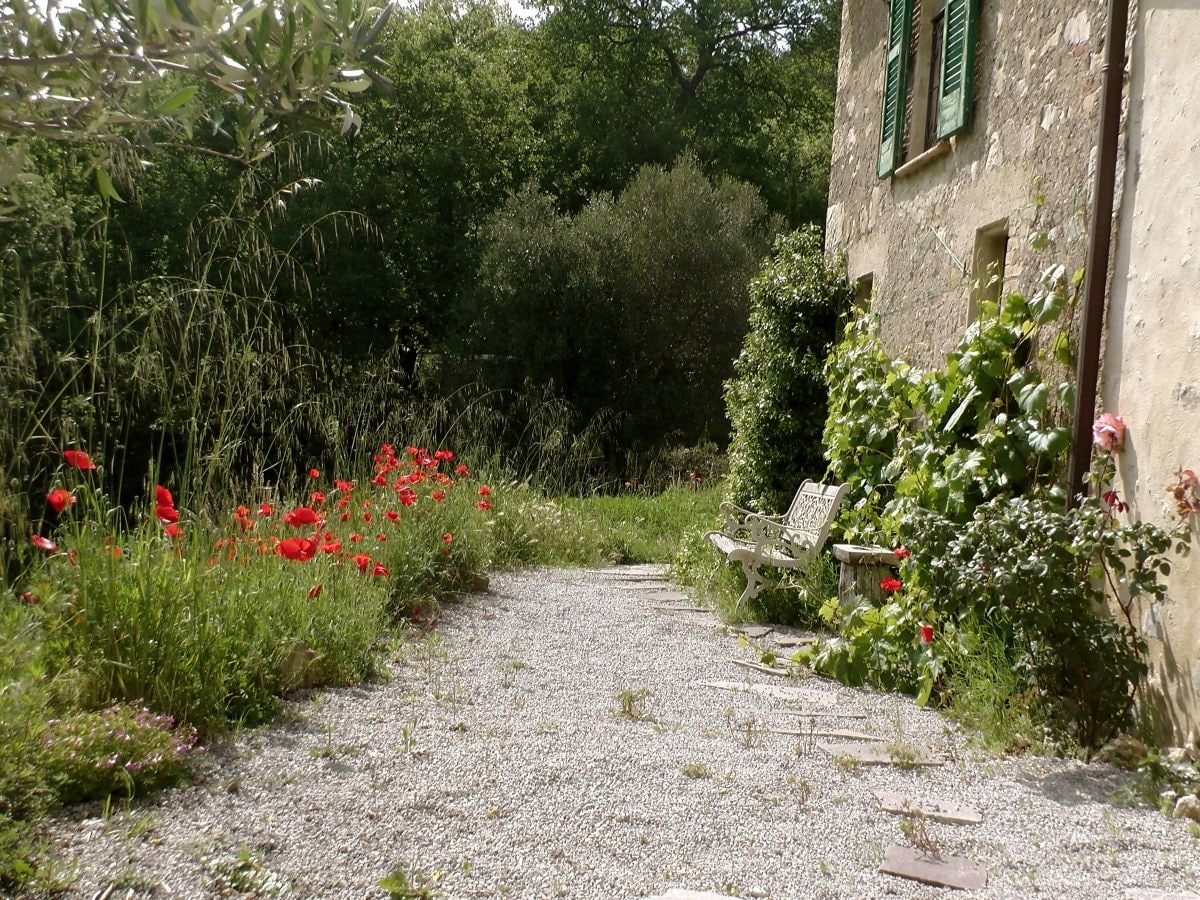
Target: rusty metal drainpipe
1091,328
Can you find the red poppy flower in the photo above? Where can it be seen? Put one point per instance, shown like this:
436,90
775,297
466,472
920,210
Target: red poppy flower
393,515
387,450
379,569
367,518
379,481
438,495
462,470
926,634
381,537
173,531
902,552
447,537
79,460
345,517
407,496
299,549
483,504
162,497
59,499
314,592
344,486
301,515
314,473
43,543
425,462
318,496
362,561
166,514
444,455
331,546
485,491
891,585
355,537
412,451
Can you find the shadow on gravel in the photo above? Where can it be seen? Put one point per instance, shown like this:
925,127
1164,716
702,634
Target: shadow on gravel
1078,786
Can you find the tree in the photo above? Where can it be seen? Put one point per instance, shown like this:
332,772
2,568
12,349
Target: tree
695,38
747,87
635,305
120,74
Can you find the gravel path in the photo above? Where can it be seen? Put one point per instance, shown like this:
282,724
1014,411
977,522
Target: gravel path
496,762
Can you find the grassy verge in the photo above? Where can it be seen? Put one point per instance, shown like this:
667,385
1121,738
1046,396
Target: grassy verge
125,642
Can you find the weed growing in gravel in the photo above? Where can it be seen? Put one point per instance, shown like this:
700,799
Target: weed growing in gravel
244,873
847,764
802,789
633,703
410,884
749,730
696,770
914,828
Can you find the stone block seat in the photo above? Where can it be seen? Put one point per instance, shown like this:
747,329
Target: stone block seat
783,542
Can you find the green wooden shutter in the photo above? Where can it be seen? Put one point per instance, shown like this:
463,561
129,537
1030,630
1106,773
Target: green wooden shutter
956,95
891,125
894,77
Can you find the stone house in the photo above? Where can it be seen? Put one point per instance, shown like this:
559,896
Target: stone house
969,155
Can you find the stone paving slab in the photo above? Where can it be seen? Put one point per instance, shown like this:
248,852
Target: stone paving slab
774,691
938,810
942,870
875,755
669,597
754,631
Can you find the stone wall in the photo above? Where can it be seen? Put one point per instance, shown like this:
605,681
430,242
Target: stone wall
1026,158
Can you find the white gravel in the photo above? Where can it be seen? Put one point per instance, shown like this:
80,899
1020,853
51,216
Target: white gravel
495,761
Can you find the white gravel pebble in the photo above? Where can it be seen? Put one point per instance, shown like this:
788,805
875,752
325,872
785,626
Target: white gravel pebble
499,764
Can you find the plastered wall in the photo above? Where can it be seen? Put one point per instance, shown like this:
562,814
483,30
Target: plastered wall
1151,373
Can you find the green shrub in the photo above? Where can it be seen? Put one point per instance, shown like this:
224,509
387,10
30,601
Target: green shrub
125,749
644,290
1036,575
776,399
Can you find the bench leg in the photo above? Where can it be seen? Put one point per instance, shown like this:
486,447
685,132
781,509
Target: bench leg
754,583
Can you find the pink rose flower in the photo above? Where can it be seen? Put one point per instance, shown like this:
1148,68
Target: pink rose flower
1108,432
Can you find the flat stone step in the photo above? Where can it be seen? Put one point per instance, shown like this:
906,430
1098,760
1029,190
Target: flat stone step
801,640
675,607
754,631
669,597
775,691
937,810
832,732
941,870
881,755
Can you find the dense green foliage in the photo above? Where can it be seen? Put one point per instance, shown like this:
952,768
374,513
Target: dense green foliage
635,305
962,465
776,399
986,425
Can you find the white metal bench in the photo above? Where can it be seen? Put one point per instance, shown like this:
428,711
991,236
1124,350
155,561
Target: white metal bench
784,542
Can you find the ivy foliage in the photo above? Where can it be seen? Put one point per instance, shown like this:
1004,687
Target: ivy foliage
776,399
985,425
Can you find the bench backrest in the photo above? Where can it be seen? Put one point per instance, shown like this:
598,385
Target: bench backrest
813,510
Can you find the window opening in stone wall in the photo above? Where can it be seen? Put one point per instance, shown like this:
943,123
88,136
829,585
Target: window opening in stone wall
936,38
864,286
987,266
